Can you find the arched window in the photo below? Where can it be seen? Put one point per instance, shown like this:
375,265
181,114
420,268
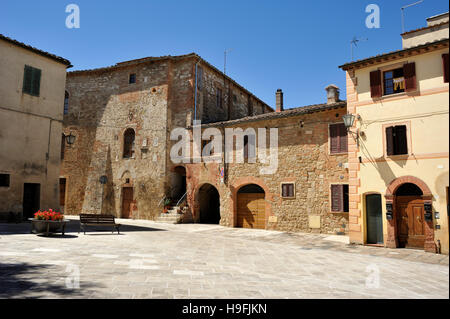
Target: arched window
66,103
128,143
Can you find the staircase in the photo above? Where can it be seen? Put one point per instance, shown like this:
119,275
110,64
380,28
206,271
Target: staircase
173,216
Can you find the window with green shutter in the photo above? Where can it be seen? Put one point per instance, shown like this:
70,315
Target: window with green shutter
31,80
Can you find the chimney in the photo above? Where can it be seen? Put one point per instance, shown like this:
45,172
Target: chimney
332,94
279,100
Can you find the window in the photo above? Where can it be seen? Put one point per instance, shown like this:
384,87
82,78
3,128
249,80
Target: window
132,78
338,138
445,66
63,145
394,81
396,140
66,103
288,190
199,77
4,180
339,198
31,80
128,143
218,97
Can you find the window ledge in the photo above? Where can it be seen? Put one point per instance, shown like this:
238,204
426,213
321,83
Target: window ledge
397,157
338,212
391,96
341,153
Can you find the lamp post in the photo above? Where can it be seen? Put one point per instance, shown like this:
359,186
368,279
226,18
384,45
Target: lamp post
349,120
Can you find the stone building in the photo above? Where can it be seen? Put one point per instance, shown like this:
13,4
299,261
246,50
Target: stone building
122,117
307,192
399,146
31,111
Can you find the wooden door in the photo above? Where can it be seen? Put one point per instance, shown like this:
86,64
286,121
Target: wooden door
374,219
410,221
127,199
251,211
62,192
31,199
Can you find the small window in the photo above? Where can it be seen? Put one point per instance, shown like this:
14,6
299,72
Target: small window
396,140
338,138
394,81
218,97
66,103
31,80
287,190
339,198
128,143
132,78
63,146
4,180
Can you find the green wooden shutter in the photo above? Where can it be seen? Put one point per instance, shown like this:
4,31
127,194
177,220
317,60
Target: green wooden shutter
36,83
27,79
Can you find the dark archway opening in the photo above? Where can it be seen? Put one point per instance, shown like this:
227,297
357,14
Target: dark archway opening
409,189
209,202
178,184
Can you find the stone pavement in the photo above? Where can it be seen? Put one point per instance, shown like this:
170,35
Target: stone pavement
153,260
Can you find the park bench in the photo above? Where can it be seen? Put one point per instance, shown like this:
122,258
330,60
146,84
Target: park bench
97,220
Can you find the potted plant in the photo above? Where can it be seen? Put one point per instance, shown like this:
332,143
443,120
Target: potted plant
48,222
167,202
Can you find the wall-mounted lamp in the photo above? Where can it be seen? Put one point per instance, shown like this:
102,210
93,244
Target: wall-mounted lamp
70,139
349,120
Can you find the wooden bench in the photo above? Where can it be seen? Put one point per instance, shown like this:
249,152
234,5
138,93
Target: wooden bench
97,220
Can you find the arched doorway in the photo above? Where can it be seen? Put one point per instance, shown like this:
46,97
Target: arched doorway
251,207
411,226
209,204
410,219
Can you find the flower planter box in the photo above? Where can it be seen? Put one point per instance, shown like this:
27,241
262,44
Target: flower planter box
39,226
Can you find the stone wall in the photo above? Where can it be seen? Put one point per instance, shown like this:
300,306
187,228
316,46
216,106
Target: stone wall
304,159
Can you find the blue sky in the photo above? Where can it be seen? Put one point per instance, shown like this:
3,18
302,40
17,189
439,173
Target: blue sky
293,45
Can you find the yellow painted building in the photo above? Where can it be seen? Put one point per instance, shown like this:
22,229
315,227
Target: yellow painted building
399,143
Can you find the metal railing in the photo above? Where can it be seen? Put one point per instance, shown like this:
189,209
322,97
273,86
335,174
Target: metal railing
181,199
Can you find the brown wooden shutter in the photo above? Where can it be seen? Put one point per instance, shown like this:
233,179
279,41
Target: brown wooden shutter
375,84
401,143
283,190
445,66
27,79
390,140
334,138
337,196
409,72
343,142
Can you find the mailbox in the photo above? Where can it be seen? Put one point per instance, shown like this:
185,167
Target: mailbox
389,213
428,212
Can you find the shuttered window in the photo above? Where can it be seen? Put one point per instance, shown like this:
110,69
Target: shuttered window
338,138
4,180
128,147
375,84
445,66
132,78
63,145
31,80
409,71
396,140
287,190
339,198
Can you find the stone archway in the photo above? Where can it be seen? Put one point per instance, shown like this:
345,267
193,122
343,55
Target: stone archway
407,197
208,203
251,207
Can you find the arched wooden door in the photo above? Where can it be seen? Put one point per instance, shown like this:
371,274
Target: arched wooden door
251,207
410,221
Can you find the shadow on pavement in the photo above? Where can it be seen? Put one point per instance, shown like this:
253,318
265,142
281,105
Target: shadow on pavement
72,229
16,281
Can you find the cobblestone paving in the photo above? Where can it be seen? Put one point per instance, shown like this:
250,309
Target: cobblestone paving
151,260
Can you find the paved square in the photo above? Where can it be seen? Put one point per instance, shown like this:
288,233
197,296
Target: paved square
154,260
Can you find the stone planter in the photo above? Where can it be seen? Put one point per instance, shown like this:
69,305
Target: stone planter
48,226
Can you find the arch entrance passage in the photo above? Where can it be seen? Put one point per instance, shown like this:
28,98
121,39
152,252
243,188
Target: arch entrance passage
209,204
178,183
251,207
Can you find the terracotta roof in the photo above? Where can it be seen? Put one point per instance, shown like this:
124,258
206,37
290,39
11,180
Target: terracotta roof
425,28
168,57
37,51
276,115
394,54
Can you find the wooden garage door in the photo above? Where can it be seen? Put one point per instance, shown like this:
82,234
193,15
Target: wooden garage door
251,211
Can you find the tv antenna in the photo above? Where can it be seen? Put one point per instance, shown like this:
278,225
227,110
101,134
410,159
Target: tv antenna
403,13
354,42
